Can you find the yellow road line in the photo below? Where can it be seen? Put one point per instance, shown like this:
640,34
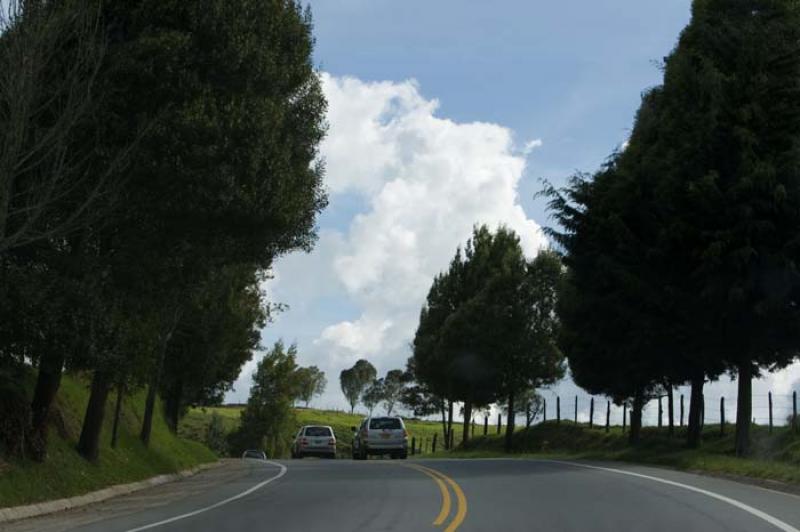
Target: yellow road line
461,500
445,511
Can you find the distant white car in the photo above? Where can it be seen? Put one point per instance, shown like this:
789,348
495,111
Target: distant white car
314,440
253,453
380,435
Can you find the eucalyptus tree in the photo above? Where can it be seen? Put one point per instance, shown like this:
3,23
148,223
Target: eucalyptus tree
354,381
312,383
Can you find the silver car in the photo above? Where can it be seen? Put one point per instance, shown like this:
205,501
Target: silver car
254,453
380,435
314,440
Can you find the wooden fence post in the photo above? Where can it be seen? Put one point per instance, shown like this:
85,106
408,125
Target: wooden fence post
608,416
576,409
499,422
624,415
770,412
591,412
486,424
660,412
702,410
794,410
413,445
721,416
452,439
558,409
473,429
544,410
433,445
681,410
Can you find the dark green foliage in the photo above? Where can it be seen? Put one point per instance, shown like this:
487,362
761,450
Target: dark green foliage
683,250
216,437
147,272
268,421
488,328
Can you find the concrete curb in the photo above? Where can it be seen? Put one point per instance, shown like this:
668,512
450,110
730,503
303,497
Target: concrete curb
14,513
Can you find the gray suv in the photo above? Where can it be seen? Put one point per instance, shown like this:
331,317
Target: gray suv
314,440
380,435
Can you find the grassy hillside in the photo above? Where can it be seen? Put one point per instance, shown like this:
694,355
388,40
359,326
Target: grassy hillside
65,473
194,424
775,456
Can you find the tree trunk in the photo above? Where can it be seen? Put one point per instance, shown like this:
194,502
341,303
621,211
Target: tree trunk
744,409
173,405
443,409
636,418
89,442
152,390
695,408
48,380
510,423
467,421
670,410
449,424
117,411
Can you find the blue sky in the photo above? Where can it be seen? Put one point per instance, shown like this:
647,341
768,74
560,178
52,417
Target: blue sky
568,72
444,114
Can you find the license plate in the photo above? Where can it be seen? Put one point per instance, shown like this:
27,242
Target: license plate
385,436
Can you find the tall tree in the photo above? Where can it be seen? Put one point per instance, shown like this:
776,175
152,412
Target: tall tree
741,61
312,383
373,395
51,185
355,380
268,420
393,385
241,123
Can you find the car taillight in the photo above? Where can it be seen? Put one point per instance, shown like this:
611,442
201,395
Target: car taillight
304,442
331,442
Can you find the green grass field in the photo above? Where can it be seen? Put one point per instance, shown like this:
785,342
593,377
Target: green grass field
65,473
194,424
775,456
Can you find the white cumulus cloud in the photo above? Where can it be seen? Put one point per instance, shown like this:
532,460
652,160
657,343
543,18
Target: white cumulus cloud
426,181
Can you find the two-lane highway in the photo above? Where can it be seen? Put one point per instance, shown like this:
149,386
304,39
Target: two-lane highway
447,495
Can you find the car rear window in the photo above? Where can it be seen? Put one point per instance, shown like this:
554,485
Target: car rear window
385,423
253,454
318,431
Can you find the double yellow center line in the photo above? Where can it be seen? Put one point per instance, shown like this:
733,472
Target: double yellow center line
443,481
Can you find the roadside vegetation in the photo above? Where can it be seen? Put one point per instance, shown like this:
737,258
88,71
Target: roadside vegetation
775,456
196,423
156,157
65,473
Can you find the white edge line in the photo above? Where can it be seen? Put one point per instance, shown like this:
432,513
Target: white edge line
220,503
733,502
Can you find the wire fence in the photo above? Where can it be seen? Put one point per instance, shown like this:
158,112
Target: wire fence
769,409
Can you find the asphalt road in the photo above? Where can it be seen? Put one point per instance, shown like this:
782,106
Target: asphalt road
464,495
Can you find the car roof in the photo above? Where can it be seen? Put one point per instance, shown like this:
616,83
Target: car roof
316,426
